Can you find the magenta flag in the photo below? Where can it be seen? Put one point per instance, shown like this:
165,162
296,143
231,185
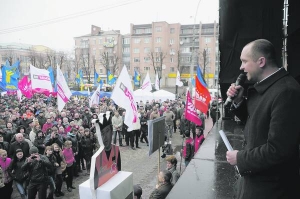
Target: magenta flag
190,111
25,87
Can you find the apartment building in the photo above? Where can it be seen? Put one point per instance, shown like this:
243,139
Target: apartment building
164,48
99,50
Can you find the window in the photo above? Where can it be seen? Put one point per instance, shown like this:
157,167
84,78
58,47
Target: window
207,39
171,59
172,30
126,50
137,69
126,59
136,50
126,40
171,41
136,59
146,50
185,50
185,59
146,59
148,30
158,28
158,39
147,68
94,52
157,49
101,70
147,40
100,41
137,41
138,31
172,51
172,69
109,50
157,59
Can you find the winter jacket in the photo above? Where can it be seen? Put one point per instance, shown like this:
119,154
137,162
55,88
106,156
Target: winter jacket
16,172
5,146
19,145
37,169
39,143
69,156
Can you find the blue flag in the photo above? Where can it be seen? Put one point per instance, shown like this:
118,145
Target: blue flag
200,77
136,79
79,78
111,78
51,74
101,83
97,78
193,81
10,75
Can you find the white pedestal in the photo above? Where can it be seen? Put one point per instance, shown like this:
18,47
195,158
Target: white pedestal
119,186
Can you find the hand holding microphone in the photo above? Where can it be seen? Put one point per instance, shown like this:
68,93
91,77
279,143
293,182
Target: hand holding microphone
235,91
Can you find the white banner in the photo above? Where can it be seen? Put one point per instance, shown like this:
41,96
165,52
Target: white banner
178,82
95,97
40,78
123,96
63,91
147,83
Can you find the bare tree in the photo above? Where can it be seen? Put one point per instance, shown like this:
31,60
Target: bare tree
109,62
157,60
204,57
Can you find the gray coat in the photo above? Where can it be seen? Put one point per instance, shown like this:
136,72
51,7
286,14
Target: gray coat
269,162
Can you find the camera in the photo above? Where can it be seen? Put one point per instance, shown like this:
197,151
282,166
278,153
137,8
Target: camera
33,157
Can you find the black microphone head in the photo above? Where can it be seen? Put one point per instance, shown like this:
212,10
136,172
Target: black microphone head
241,79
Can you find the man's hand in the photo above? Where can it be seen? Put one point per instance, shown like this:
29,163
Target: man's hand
231,157
235,92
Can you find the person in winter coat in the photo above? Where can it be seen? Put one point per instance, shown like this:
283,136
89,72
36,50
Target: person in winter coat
6,191
51,172
74,138
20,143
54,137
70,160
3,144
88,143
144,128
171,166
36,165
39,142
17,174
188,149
60,159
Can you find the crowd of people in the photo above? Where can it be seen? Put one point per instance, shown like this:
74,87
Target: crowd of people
59,145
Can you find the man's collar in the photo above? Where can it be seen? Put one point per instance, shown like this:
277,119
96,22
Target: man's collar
266,83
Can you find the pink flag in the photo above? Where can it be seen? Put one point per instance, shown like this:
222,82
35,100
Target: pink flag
25,87
190,111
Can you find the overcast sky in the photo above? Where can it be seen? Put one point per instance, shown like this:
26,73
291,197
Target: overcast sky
59,34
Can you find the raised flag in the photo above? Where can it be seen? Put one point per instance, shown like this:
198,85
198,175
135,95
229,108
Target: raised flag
40,80
25,87
200,77
123,96
157,82
190,111
147,84
111,79
51,74
95,97
178,82
137,78
19,95
63,91
202,97
97,78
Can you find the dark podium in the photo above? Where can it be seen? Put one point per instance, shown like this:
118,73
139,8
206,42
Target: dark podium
209,175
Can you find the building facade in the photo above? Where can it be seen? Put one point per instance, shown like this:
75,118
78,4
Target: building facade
100,51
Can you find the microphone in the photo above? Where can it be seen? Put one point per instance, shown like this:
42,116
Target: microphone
239,81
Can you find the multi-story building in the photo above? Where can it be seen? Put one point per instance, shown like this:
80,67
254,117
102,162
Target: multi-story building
25,53
165,48
158,47
100,51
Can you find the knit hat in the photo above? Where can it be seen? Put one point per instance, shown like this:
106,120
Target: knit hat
137,190
33,149
18,150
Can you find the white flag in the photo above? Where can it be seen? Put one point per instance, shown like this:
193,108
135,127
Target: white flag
63,91
19,95
123,96
95,97
147,84
156,82
178,82
89,96
40,79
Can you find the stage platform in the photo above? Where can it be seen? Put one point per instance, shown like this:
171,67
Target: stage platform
209,175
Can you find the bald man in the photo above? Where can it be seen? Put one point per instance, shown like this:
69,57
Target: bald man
20,143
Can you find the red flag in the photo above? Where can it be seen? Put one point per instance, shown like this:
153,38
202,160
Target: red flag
25,87
190,111
202,97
